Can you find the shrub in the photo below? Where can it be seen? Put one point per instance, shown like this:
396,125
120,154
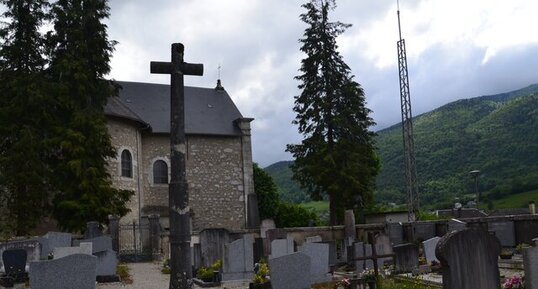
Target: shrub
292,215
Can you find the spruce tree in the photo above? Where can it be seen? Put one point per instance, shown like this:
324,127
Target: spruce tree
80,54
24,115
336,156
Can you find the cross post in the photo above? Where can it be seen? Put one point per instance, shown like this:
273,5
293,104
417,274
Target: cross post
178,193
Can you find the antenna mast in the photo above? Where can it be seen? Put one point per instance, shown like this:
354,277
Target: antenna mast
407,129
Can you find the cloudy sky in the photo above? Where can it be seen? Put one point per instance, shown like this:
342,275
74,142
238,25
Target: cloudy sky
456,49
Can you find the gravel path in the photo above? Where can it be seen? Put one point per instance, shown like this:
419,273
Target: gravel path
149,276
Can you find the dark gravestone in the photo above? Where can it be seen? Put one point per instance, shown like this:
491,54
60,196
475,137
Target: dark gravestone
70,272
406,257
423,231
504,231
253,214
395,232
526,231
212,243
15,264
258,249
469,259
92,230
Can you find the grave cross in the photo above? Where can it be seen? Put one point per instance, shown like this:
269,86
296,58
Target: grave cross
178,196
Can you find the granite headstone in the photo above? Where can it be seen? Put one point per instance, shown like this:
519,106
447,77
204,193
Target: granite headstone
319,261
429,249
52,240
530,264
239,259
288,272
406,257
505,232
73,271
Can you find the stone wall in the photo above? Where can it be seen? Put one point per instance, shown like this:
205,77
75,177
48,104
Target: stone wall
125,135
215,176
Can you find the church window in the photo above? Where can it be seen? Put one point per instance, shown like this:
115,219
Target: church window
160,172
126,164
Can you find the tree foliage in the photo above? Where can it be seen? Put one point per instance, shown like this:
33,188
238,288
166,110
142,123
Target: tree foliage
54,143
24,115
80,53
336,156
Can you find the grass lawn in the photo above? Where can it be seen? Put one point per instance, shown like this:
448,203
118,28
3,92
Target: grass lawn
318,206
516,201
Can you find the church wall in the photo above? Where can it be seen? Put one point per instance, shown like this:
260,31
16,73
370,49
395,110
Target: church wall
214,175
124,135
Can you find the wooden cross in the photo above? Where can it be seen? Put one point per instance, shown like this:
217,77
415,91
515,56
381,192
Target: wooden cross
178,195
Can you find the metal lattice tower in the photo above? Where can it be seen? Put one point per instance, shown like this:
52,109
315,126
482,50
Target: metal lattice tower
407,130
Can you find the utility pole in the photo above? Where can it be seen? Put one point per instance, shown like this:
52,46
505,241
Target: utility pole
178,194
407,130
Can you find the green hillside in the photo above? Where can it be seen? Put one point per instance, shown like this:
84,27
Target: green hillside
289,190
497,135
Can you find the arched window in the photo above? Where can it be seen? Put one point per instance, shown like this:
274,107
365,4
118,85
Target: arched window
126,164
160,172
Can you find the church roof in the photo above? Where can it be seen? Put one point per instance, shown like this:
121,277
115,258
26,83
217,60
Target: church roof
208,111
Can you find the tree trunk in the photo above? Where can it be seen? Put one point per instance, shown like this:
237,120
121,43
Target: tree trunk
332,209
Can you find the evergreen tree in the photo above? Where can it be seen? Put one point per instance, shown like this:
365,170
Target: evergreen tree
267,193
336,156
24,115
80,53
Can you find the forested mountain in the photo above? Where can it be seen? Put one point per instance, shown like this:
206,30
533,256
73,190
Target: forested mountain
496,134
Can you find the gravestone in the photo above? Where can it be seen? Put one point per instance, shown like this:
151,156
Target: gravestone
281,247
349,227
429,249
52,240
288,272
319,261
423,230
406,257
196,256
395,232
73,271
92,230
469,259
530,264
332,252
32,248
212,243
456,225
358,251
505,232
382,247
106,257
369,263
526,231
258,249
267,224
82,248
15,264
239,259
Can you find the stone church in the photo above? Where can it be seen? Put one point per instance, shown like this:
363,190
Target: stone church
218,156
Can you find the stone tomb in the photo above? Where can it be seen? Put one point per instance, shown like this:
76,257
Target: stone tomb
32,248
281,247
530,262
73,271
429,249
83,248
107,260
505,232
319,261
469,259
288,272
406,257
239,259
53,240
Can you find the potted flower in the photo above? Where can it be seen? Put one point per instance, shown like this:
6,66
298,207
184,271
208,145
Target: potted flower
506,254
370,278
261,278
514,282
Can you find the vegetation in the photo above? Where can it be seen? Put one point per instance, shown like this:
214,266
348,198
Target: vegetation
496,134
24,117
54,140
271,207
288,189
336,158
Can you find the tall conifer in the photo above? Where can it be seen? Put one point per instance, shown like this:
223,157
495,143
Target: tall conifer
80,53
24,115
336,157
